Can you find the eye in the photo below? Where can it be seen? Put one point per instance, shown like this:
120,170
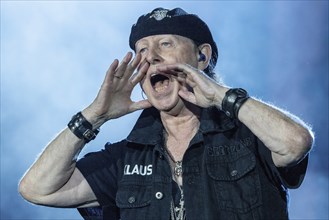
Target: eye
165,44
142,50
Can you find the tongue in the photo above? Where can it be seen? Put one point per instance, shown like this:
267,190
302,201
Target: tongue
161,85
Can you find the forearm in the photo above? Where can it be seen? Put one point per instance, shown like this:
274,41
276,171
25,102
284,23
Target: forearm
286,136
53,179
54,166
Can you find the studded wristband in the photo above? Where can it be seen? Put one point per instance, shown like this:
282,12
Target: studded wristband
233,100
82,128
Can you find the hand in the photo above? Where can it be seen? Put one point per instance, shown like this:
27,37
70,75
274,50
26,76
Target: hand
114,97
201,90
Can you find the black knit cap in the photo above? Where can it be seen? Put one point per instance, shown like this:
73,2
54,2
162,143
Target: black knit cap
177,22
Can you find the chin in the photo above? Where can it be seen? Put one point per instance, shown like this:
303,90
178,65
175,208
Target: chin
172,107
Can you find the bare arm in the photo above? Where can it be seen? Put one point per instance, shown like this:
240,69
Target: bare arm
286,136
53,179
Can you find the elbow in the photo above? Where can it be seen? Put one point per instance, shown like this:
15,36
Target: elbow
306,140
25,190
303,143
295,147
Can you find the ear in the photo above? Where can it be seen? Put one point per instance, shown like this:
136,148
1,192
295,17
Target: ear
204,56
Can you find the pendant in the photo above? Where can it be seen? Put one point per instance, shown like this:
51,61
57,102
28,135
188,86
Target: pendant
178,170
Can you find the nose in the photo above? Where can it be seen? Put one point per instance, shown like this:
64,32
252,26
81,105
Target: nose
153,56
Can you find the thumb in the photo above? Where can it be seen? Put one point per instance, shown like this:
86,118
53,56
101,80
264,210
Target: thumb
187,95
143,104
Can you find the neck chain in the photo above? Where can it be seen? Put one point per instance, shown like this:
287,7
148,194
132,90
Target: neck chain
178,165
176,213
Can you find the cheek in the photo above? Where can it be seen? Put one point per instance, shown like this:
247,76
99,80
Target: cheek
188,58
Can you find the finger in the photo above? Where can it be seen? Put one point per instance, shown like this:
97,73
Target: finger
190,81
137,77
177,67
182,72
141,64
111,70
187,95
171,69
123,66
143,104
194,77
183,79
133,65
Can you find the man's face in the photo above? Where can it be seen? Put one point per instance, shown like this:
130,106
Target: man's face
160,88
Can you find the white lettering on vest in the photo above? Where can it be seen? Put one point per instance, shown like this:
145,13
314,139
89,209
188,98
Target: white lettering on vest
143,170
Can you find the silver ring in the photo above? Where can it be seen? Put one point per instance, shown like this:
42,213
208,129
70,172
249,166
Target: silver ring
119,77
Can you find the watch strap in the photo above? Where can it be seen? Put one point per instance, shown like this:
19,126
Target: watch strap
233,100
82,128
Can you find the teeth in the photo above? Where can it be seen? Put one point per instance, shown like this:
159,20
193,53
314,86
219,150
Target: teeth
159,82
161,88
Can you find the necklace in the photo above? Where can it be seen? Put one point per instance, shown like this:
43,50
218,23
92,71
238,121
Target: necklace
176,212
178,165
178,168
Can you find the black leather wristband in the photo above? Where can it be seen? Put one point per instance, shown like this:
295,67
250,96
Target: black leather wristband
233,100
82,128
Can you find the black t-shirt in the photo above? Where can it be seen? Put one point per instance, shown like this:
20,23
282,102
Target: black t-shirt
226,168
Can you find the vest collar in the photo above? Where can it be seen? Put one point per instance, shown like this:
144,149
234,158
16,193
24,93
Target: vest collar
149,129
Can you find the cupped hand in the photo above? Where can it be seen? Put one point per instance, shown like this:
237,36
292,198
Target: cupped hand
114,97
198,88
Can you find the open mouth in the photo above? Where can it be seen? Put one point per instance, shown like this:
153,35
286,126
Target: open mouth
159,82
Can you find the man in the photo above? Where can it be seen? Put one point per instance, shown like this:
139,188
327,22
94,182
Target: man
199,150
